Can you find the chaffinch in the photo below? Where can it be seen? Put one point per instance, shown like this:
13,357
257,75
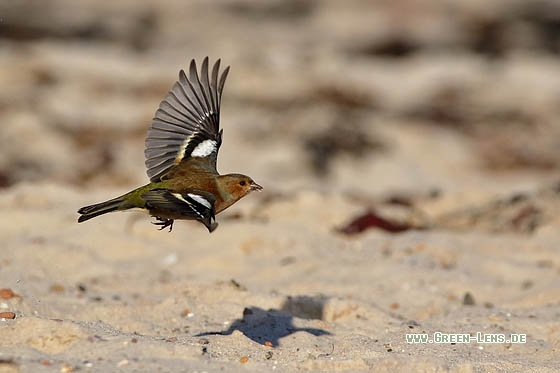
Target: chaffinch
181,151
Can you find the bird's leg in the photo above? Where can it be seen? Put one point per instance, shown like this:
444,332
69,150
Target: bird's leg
164,223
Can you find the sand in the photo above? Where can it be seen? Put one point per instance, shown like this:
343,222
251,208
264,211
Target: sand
437,125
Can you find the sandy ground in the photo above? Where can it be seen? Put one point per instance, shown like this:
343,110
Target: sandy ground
409,156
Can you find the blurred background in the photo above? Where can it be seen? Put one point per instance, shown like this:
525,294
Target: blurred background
359,97
439,118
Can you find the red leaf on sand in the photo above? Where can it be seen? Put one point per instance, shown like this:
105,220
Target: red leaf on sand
371,219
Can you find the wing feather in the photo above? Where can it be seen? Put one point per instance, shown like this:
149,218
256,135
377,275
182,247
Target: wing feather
168,129
187,116
180,106
192,204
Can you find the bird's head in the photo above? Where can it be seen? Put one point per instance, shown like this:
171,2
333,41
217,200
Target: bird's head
240,185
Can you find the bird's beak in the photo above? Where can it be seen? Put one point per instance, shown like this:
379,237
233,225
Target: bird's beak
255,186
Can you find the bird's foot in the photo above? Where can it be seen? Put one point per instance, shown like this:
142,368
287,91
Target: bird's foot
164,223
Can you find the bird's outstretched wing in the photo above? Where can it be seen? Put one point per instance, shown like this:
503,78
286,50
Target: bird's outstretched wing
192,204
187,122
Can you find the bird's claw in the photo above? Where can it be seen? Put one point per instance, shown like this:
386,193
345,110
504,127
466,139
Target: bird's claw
164,223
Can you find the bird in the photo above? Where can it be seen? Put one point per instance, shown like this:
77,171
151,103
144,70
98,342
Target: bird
181,150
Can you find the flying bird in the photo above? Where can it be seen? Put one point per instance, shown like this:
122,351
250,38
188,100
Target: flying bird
181,151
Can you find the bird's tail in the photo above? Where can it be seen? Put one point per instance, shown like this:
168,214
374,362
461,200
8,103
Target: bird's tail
92,211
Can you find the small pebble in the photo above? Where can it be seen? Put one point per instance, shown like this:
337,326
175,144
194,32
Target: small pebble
7,315
287,260
56,288
122,363
268,344
244,359
170,259
468,299
66,368
7,294
237,285
527,284
247,311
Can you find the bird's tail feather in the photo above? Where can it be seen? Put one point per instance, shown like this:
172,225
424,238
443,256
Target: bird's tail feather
92,211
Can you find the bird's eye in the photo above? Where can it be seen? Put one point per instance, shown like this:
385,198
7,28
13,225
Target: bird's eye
242,183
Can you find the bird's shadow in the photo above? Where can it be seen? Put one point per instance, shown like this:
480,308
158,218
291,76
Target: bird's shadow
265,326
